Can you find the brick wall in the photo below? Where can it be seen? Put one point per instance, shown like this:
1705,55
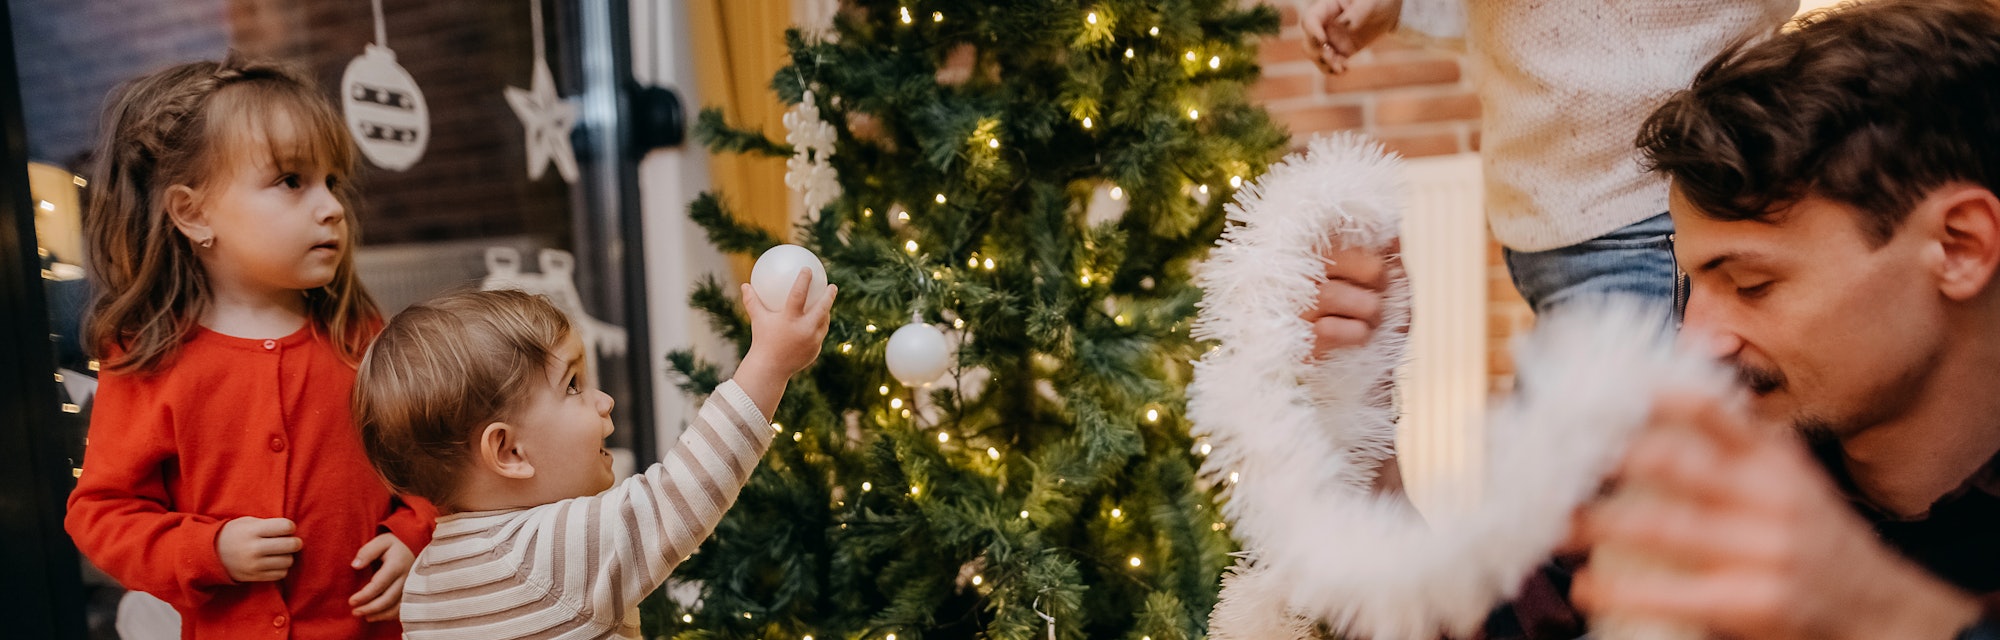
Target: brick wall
1419,102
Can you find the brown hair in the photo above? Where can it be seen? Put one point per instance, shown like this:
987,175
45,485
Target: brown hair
1872,105
179,126
442,370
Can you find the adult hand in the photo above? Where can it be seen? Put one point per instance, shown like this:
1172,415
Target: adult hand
1335,30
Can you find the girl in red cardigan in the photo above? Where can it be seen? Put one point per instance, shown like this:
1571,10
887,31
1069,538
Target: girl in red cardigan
223,474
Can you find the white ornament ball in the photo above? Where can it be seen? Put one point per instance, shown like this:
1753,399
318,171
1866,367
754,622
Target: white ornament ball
385,109
918,354
778,269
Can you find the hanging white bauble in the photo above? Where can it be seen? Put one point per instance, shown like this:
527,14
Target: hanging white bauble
918,354
778,269
385,110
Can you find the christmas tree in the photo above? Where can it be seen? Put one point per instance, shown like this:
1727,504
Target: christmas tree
1035,178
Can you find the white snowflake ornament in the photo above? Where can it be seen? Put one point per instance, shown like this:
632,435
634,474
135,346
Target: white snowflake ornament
809,171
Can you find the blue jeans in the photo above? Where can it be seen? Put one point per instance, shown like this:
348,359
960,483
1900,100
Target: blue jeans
1636,260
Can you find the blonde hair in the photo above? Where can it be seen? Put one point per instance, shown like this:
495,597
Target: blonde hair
442,370
179,126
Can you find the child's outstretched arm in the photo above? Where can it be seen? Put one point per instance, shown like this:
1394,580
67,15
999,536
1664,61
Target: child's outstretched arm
648,524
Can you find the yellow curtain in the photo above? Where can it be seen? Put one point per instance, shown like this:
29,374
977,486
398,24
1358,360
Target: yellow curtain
739,45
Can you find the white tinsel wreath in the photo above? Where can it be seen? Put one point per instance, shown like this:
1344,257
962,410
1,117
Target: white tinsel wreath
1302,438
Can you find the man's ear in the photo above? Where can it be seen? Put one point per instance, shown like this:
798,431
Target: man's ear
499,450
183,206
1968,233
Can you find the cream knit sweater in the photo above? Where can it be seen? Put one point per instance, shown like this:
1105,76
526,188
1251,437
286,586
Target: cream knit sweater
1565,85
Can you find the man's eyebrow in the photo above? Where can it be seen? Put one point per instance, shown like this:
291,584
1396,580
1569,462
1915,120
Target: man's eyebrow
1726,258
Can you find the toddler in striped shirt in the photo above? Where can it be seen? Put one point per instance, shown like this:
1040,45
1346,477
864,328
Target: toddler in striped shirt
477,401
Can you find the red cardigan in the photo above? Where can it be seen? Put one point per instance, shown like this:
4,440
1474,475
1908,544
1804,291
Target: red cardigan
238,427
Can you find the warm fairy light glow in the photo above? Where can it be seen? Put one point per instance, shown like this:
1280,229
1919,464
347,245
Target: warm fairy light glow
895,403
687,618
906,20
1152,415
910,246
885,388
993,453
1085,279
1235,182
977,580
1215,62
914,490
989,264
1233,477
1203,189
1086,122
1134,560
867,486
779,427
937,16
1024,515
1153,31
1192,57
796,436
1194,114
940,198
943,437
1205,448
846,347
871,329
1092,18
958,323
1117,193
1128,53
993,143
1117,513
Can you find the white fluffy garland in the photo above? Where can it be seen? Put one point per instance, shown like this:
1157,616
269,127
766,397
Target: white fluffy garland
1303,438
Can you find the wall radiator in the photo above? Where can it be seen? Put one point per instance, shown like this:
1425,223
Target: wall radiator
1442,388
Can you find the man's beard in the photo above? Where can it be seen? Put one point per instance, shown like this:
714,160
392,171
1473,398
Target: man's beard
1759,380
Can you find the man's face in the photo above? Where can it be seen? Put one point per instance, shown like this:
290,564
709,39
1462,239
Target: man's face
1829,331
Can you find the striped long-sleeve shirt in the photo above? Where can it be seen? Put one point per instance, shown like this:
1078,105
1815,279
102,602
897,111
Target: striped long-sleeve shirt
579,567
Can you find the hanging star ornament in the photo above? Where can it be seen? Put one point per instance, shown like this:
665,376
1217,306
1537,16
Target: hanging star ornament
548,119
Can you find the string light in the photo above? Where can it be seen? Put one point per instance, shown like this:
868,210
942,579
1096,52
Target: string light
943,437
906,15
910,246
687,618
871,329
904,216
891,637
1092,18
977,580
1215,62
1120,319
906,413
846,347
867,213
1134,560
1205,448
914,490
972,262
1117,513
1152,415
867,486
885,388
1191,57
1085,279
746,615
1086,122
1216,527
779,427
989,264
1117,193
1194,114
1233,477
993,143
1024,514
796,436
1235,182
806,638
1128,53
1203,189
895,403
958,323
937,16
993,453
1153,31
940,198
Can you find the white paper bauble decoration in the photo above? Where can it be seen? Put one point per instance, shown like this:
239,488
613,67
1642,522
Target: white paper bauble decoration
778,269
385,110
918,354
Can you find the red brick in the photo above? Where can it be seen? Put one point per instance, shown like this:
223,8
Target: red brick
1364,77
1306,120
1289,48
1391,110
1279,86
1474,140
1419,145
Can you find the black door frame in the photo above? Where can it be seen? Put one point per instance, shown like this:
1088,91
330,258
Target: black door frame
40,574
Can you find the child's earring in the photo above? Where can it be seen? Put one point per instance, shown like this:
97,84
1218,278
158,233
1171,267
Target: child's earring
208,242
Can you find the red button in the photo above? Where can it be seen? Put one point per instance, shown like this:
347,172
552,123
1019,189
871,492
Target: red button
277,444
270,344
278,621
